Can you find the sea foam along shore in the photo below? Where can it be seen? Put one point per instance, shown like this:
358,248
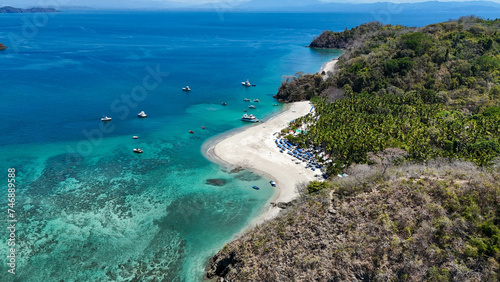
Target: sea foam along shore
253,148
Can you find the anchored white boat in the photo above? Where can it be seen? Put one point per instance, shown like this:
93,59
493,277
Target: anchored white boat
249,118
186,88
142,114
105,118
246,83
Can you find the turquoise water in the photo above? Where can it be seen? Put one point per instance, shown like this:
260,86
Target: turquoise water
88,208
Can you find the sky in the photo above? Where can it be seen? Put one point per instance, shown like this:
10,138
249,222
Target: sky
160,3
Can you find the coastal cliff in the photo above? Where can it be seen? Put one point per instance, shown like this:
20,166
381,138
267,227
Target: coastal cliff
346,39
306,86
412,116
9,9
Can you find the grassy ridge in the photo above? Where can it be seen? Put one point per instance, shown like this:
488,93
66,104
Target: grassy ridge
437,222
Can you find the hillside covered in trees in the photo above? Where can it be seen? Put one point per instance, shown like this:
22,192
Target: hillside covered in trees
412,115
432,91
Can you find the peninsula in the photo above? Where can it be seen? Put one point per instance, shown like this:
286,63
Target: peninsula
9,9
410,121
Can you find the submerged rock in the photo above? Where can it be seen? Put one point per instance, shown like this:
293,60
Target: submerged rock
216,182
236,169
247,176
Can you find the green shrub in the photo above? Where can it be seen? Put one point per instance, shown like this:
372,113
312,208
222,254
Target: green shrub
491,111
416,41
487,63
439,274
316,186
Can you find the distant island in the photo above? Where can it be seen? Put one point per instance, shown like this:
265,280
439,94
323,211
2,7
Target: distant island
9,9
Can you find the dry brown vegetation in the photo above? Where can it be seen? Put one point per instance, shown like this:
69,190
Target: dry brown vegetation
434,222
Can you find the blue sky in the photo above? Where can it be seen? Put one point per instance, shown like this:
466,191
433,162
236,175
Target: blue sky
159,3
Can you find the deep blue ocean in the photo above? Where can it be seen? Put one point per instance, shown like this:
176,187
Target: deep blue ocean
87,207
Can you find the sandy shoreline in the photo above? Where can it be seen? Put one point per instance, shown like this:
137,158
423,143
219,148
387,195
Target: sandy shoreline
253,148
328,67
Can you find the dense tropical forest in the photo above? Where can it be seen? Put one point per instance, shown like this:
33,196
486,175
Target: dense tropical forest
432,91
412,115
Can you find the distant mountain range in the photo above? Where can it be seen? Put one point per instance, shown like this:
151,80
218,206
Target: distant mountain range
466,7
318,6
9,9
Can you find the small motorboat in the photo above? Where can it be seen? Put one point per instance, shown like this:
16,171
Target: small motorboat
142,114
246,100
256,100
252,107
255,187
105,118
224,103
272,183
135,137
190,131
246,83
186,88
138,150
275,105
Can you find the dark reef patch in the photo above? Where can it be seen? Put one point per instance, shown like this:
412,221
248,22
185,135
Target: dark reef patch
216,182
247,176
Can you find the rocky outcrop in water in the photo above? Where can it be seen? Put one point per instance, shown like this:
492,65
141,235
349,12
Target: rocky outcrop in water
221,266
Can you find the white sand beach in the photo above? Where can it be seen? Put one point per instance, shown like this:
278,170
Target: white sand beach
328,68
254,149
